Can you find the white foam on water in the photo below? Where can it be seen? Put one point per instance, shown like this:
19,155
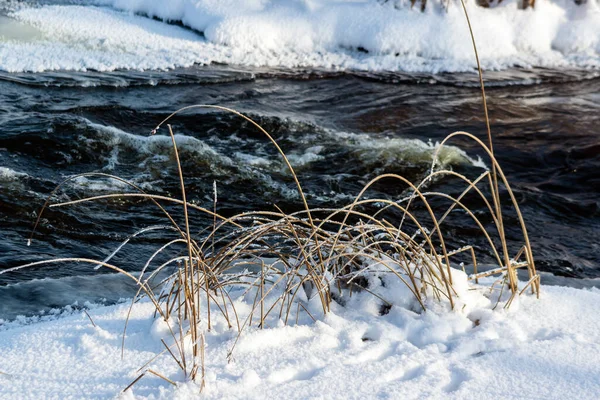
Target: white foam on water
105,185
360,35
383,151
150,145
308,156
8,174
152,154
390,151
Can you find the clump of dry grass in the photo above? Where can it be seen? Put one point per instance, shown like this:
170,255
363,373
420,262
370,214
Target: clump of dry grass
284,261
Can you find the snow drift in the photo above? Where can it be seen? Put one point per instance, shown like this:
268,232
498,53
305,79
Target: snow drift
545,348
361,35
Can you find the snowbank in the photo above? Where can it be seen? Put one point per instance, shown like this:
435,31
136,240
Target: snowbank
547,348
361,35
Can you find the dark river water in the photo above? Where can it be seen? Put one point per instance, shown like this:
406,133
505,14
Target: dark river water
338,129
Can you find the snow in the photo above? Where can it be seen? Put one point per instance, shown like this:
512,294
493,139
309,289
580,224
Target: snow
546,348
367,35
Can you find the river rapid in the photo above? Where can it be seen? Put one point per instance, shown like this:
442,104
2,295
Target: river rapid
339,130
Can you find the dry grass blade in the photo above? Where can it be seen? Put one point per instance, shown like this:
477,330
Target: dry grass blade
162,377
133,382
90,318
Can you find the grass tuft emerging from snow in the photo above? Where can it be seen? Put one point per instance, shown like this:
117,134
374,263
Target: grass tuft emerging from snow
316,281
282,273
546,348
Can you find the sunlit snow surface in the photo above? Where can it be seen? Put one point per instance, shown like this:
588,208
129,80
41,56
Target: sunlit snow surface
360,35
546,348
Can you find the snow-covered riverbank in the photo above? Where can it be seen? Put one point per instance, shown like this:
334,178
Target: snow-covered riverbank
368,35
547,348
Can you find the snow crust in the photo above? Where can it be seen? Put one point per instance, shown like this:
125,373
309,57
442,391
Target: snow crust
360,35
547,348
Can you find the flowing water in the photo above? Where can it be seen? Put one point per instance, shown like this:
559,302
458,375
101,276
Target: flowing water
339,130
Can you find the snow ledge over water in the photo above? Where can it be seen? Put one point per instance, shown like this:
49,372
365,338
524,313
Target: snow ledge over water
338,34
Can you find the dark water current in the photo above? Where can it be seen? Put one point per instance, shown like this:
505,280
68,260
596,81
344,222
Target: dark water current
339,130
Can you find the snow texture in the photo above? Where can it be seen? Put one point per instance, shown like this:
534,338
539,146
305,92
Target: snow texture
361,35
547,348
